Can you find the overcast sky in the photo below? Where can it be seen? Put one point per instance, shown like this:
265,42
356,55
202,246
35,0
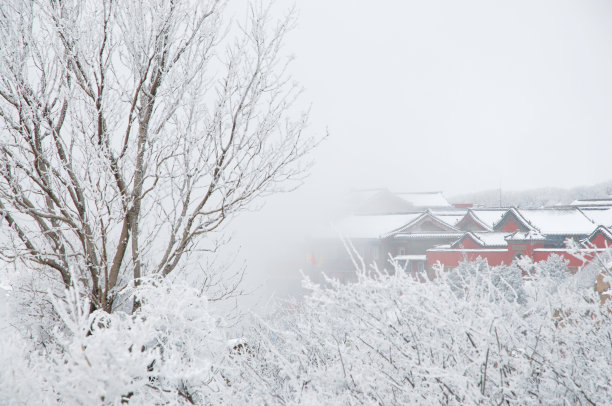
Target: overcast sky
457,96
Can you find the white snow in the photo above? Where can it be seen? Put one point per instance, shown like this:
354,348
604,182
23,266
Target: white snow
372,226
492,239
450,218
600,217
592,203
445,248
410,257
489,216
558,221
486,239
529,236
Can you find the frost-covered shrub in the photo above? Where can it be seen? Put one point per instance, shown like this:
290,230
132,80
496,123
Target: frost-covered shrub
496,283
500,339
164,353
555,267
477,335
19,383
27,302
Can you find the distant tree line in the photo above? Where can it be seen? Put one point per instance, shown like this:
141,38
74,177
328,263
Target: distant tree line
534,198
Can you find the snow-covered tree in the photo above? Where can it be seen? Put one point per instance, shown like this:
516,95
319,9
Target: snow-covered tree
131,130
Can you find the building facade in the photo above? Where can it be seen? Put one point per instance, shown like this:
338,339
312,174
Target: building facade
419,231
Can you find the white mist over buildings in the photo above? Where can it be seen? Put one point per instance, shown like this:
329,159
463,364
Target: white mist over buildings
443,95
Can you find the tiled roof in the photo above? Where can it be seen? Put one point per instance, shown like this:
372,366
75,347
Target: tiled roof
372,226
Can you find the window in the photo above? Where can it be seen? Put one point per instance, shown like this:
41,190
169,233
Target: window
402,251
421,267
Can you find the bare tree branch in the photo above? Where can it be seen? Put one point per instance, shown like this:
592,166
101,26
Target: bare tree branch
129,131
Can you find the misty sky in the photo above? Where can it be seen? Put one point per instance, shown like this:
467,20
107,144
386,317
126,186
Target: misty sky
457,96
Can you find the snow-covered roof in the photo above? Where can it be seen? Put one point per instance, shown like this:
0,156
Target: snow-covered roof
371,226
492,239
484,239
582,251
450,218
600,229
425,199
605,202
557,221
446,248
525,236
488,216
425,216
410,257
601,217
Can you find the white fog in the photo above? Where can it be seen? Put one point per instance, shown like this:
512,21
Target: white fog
253,202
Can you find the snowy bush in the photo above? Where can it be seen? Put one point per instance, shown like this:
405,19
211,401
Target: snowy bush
164,353
476,335
493,338
496,283
555,267
19,383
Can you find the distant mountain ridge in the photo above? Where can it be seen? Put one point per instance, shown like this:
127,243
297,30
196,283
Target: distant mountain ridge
535,198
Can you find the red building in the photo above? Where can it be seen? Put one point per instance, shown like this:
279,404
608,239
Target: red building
420,230
535,233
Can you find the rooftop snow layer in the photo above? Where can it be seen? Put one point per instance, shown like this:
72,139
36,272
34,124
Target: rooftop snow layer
558,221
528,236
372,226
410,257
492,239
449,218
600,217
485,239
592,203
489,216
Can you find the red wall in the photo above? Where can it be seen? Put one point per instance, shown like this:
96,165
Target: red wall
469,250
509,223
525,249
494,258
469,244
601,242
452,258
543,256
510,226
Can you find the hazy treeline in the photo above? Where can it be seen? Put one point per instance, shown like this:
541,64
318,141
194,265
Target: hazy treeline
535,197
